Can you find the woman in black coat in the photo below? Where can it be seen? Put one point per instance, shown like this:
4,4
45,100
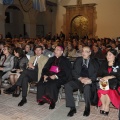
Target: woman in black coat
56,72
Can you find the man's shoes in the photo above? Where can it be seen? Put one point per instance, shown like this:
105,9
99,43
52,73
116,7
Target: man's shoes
41,103
16,93
0,91
86,112
52,105
72,112
10,90
22,102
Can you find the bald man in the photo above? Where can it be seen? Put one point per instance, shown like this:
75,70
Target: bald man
84,73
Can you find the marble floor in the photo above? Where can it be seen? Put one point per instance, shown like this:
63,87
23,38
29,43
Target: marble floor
32,111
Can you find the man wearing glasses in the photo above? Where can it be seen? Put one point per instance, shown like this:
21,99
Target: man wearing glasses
84,73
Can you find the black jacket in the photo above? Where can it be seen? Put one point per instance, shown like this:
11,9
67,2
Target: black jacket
93,67
65,67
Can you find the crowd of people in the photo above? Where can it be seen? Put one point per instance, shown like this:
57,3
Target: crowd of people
47,62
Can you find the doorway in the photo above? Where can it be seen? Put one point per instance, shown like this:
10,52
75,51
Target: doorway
14,24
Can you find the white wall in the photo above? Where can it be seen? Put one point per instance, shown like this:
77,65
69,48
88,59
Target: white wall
48,20
108,16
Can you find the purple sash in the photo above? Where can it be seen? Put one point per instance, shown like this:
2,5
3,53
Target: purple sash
54,69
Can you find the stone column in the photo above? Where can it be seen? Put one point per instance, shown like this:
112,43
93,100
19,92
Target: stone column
30,23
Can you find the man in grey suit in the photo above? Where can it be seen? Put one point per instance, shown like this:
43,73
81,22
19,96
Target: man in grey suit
84,73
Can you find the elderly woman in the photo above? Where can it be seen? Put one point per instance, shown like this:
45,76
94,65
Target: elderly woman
55,73
109,71
6,62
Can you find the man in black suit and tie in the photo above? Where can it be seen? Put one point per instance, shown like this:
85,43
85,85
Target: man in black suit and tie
84,73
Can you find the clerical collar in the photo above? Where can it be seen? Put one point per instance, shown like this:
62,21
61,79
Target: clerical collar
86,61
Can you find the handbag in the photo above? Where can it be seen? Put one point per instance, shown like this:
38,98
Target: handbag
113,83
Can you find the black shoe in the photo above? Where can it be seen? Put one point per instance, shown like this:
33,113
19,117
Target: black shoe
16,93
22,102
106,113
52,105
10,90
101,111
71,112
0,92
41,103
86,113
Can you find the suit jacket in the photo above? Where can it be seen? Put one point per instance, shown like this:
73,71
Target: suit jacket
41,62
92,68
8,64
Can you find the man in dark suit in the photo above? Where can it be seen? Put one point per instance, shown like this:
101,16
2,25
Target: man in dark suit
84,73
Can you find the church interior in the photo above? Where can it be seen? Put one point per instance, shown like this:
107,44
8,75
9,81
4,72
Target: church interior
47,23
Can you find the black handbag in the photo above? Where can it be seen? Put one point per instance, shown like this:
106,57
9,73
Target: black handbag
113,83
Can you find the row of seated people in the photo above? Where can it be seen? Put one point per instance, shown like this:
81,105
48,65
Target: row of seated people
56,71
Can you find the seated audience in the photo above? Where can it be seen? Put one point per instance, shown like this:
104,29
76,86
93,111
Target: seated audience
56,72
84,73
96,53
6,62
29,53
109,71
20,64
1,48
70,51
79,51
33,73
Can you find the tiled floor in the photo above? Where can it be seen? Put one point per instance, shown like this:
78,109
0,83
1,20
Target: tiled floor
31,111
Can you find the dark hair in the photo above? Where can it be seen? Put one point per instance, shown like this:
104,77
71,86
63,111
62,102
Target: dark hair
61,45
28,45
20,52
38,46
113,51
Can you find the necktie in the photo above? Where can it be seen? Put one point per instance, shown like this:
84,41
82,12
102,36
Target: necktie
36,59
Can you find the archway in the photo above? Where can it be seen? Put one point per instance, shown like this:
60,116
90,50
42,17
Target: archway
79,25
14,22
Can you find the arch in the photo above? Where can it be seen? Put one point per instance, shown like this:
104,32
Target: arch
14,19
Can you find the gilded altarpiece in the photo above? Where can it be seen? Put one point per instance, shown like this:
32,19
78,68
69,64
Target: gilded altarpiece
80,19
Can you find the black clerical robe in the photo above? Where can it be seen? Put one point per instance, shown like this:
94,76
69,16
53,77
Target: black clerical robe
51,87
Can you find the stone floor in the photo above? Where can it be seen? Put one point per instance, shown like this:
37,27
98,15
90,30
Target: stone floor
32,111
